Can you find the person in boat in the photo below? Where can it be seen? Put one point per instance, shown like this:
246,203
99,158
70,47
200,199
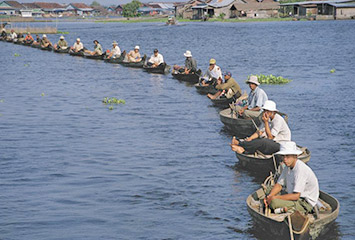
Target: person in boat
134,55
256,99
97,49
45,43
156,59
62,44
78,46
227,89
3,33
20,38
272,130
213,74
115,52
29,39
299,180
38,40
190,64
12,35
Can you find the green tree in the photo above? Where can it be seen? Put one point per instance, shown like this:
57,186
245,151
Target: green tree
130,9
95,4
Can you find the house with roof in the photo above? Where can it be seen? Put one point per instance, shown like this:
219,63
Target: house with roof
80,9
326,9
11,7
5,10
52,9
36,10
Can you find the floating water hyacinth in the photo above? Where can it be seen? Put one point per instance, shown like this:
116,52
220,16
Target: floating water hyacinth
110,107
112,101
332,71
271,79
17,55
42,94
26,65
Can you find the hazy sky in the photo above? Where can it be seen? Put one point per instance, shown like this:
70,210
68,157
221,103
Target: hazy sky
102,2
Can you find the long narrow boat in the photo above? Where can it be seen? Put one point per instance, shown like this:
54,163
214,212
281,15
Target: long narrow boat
96,57
162,69
49,48
263,163
205,89
191,78
135,64
78,54
35,45
116,60
277,224
223,102
27,43
61,50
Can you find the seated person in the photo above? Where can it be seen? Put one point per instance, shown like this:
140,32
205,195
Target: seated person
38,40
190,64
45,42
213,74
256,99
229,88
78,46
62,44
134,55
29,39
115,52
299,180
12,35
97,49
20,38
156,59
273,130
3,33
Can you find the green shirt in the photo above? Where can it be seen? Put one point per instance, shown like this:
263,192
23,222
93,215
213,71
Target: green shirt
231,83
62,43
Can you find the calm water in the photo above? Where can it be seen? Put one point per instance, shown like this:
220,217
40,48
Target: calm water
159,167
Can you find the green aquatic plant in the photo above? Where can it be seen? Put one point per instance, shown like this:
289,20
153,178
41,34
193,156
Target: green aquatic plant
17,55
26,65
332,70
271,79
42,94
1,100
111,101
62,32
110,107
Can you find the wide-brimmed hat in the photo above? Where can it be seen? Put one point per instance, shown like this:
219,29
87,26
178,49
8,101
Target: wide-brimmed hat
253,79
270,106
212,61
78,39
114,42
61,37
187,54
136,47
44,35
288,148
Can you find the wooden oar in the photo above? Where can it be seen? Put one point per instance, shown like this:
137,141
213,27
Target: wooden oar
290,226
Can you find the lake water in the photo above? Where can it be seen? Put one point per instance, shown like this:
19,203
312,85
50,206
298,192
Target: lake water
160,167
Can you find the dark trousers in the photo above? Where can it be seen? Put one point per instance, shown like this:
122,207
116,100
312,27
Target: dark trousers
264,145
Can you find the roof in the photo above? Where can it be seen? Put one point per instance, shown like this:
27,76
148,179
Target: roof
220,3
30,5
80,5
315,2
6,8
14,4
45,5
343,5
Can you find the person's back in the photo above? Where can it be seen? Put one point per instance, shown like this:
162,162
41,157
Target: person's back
191,64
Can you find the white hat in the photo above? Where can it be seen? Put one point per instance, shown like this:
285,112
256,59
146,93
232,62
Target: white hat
78,39
61,37
188,54
288,148
270,106
114,42
136,47
44,35
253,79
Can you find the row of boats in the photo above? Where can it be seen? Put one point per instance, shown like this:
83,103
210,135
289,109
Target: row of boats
312,225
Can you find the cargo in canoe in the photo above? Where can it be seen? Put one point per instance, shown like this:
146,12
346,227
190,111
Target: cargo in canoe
161,69
263,164
61,50
276,225
135,64
115,60
191,78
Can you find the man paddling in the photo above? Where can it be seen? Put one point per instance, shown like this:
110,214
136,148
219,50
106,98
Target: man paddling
300,181
256,100
230,87
273,130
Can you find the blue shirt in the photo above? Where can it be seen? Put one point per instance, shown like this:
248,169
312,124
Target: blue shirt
257,98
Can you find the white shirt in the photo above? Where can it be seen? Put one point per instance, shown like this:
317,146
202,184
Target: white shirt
13,35
156,59
301,179
116,51
279,129
214,73
77,46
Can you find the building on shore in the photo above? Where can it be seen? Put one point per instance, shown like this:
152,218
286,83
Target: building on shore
322,10
79,9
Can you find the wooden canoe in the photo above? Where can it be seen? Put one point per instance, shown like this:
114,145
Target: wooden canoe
191,78
95,57
223,102
116,60
61,50
78,54
263,163
36,45
49,48
276,225
161,69
135,64
205,89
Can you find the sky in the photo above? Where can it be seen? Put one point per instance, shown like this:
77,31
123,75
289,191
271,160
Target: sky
102,2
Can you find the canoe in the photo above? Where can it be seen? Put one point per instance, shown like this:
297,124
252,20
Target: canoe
27,43
205,89
116,60
9,40
61,50
135,64
96,57
49,48
161,69
191,78
263,163
277,224
16,41
223,102
78,54
36,45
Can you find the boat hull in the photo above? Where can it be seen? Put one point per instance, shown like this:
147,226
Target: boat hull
205,89
163,69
